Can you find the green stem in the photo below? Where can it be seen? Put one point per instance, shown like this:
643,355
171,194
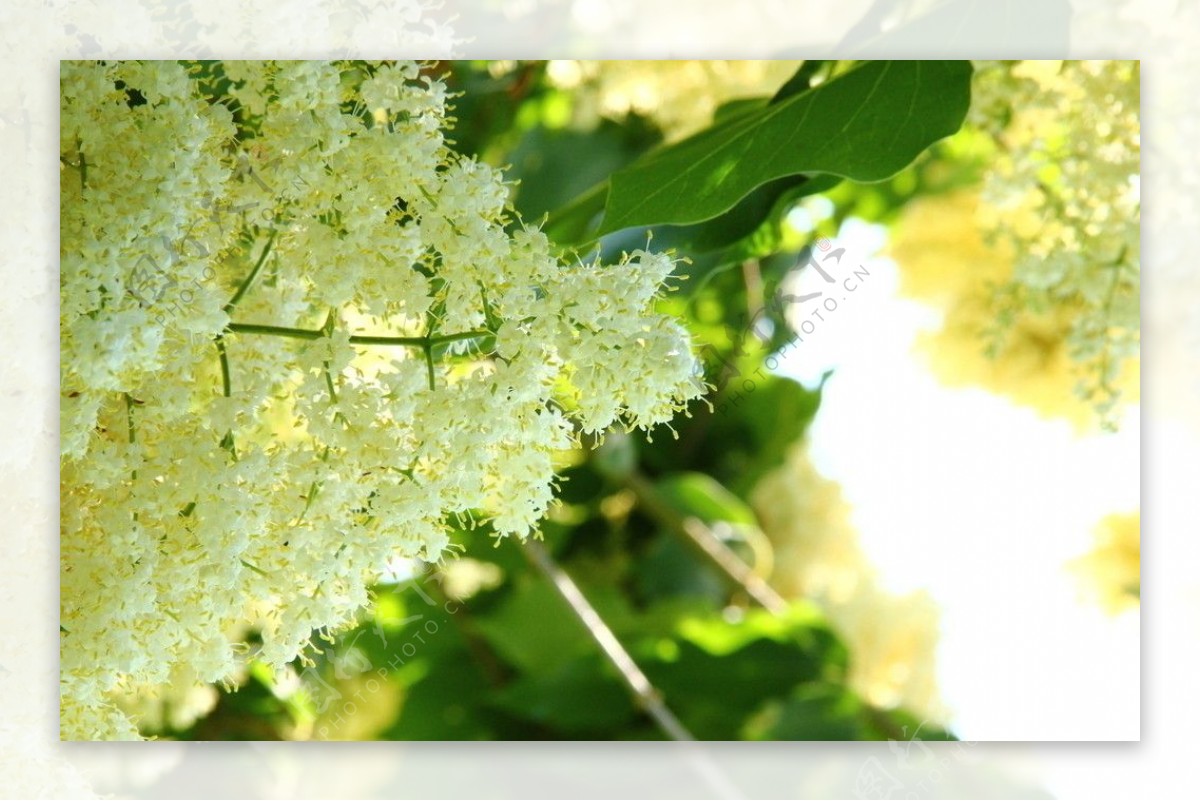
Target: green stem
456,337
129,419
429,368
355,339
262,259
408,342
226,381
257,570
133,474
275,331
227,441
329,384
425,343
327,330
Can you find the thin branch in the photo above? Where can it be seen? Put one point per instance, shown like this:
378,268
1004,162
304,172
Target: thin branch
241,290
355,339
409,342
275,331
644,693
83,165
429,370
227,441
226,382
698,534
732,565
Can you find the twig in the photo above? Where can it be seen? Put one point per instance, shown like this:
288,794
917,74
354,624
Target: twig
355,339
644,693
702,537
245,285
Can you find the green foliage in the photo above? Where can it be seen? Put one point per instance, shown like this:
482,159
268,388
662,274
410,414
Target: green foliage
554,165
701,496
864,125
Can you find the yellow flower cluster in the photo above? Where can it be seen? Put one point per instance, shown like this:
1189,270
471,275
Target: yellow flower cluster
302,337
892,640
946,262
1112,572
1063,194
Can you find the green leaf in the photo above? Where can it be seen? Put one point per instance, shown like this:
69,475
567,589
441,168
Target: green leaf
831,711
741,105
802,624
699,495
715,684
747,433
670,569
446,701
580,698
534,631
815,711
749,229
761,425
553,166
866,125
801,81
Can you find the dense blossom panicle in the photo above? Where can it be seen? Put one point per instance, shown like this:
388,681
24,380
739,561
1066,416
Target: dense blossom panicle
947,263
218,479
1063,196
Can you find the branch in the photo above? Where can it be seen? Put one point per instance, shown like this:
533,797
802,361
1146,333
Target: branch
245,286
355,339
644,693
698,534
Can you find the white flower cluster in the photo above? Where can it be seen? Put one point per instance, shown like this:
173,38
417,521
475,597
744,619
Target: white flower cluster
302,337
1064,193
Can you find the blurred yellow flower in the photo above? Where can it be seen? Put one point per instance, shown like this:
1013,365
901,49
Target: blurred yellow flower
946,263
892,640
679,96
1112,572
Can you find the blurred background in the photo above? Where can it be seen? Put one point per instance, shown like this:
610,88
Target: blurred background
910,509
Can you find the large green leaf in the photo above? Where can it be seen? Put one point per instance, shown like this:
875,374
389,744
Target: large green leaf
751,229
866,125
